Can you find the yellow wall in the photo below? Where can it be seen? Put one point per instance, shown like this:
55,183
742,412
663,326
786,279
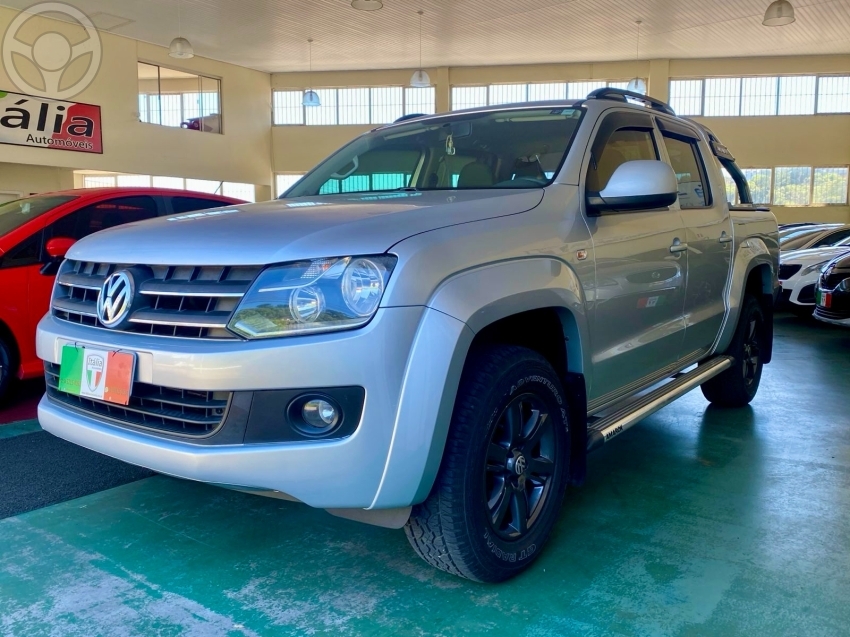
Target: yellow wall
32,179
241,154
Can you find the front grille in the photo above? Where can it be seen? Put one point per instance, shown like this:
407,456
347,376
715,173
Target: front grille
831,278
176,411
185,301
787,271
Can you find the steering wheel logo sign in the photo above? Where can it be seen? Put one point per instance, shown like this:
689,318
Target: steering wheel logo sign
51,53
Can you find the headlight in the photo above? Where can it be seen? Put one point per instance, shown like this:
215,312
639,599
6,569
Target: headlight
811,268
305,297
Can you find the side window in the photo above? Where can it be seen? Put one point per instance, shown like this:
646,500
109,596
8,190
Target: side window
685,159
190,204
831,239
103,215
27,252
622,145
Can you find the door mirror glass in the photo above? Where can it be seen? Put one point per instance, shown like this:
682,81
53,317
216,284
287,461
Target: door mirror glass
58,247
641,184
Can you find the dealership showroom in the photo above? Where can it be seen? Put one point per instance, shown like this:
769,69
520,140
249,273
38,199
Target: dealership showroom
425,317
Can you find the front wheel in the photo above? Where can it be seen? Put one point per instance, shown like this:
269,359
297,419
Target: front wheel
6,367
504,469
737,386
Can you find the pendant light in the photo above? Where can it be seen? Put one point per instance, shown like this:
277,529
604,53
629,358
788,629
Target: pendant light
420,78
779,14
637,84
180,47
367,5
311,98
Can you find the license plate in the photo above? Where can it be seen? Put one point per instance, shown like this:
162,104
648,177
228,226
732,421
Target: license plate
97,373
823,299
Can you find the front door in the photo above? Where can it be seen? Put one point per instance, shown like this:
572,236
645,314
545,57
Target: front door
638,301
705,212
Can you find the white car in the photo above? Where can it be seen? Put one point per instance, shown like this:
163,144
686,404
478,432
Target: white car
799,271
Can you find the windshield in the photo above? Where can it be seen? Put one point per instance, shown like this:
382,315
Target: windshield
16,213
519,148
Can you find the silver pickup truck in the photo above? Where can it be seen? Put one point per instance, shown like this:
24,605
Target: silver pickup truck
432,328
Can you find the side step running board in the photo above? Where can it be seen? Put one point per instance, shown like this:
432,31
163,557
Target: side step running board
603,429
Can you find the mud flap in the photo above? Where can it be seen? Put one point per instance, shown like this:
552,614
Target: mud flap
577,418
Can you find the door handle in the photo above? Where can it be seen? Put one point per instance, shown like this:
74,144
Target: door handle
678,246
725,238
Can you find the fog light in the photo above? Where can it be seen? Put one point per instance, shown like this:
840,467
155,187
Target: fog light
320,414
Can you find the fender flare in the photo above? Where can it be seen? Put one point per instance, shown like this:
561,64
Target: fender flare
460,307
751,254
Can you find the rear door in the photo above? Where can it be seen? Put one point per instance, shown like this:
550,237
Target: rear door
638,298
708,233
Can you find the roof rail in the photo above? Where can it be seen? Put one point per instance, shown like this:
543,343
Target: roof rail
620,94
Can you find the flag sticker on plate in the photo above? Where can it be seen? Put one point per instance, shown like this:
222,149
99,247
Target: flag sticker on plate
96,373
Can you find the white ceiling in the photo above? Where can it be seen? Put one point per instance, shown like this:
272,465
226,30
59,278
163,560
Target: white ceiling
270,35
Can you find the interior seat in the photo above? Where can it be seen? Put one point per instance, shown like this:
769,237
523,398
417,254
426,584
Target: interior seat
475,175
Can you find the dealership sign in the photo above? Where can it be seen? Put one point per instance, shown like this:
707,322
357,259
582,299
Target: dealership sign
26,120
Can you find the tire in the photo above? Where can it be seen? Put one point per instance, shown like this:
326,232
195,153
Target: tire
7,367
500,486
737,386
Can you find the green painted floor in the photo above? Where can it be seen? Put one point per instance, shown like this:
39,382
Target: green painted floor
696,522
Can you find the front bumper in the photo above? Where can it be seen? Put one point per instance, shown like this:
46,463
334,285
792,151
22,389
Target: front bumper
800,290
344,473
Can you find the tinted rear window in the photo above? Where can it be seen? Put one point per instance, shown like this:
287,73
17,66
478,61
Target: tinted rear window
16,213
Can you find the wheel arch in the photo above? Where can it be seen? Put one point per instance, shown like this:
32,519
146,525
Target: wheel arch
8,336
497,303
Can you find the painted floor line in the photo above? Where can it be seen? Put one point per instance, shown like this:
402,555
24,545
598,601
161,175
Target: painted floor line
19,428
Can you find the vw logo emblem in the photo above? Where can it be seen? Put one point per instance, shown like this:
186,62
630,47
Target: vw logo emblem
520,465
116,297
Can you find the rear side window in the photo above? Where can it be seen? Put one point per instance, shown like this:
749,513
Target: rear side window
104,215
687,165
190,204
27,252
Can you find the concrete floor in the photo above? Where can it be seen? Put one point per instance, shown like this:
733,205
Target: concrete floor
696,522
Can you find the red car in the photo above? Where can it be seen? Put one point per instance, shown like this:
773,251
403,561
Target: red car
35,234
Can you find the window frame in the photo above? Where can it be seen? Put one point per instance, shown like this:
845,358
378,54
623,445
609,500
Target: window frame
159,94
778,77
693,142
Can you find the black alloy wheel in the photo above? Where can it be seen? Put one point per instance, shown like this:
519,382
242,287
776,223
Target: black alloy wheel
520,464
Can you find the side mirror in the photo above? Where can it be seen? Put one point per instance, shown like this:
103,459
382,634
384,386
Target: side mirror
58,247
640,184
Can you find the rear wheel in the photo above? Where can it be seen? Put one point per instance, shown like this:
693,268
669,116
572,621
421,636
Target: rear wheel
7,367
737,386
504,469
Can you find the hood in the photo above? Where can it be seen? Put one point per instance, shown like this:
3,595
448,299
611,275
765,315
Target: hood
813,255
292,229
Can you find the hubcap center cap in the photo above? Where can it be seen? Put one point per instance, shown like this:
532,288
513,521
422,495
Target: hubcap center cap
517,463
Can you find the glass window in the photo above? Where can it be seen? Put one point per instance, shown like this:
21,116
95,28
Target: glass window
758,179
133,181
353,105
547,91
508,93
468,97
420,100
325,114
797,95
104,215
287,107
758,95
387,104
686,165
99,181
285,182
834,94
239,191
730,186
830,185
622,146
16,213
204,185
178,99
580,90
722,97
462,151
831,239
190,204
168,182
792,185
686,97
27,252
